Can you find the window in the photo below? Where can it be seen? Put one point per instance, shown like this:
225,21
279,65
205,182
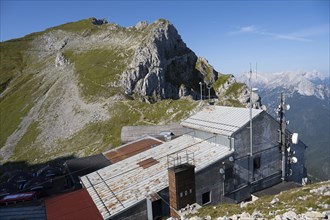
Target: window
256,163
181,194
206,198
229,172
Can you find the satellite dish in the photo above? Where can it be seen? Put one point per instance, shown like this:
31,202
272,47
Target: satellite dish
231,159
222,171
294,138
288,149
294,160
287,107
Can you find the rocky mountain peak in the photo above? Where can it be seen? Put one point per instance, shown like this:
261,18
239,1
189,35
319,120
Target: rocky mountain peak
162,66
141,25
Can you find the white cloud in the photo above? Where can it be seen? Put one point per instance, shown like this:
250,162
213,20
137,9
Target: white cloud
285,36
246,29
298,36
250,28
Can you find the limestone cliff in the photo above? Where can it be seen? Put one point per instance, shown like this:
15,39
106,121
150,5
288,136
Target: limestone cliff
162,66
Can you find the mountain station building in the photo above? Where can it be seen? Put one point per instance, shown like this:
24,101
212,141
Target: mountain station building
211,162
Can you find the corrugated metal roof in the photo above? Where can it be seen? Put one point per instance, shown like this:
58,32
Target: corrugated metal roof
220,119
125,183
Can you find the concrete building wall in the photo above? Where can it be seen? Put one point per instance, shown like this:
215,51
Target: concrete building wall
210,180
270,163
241,169
265,135
262,169
266,146
229,187
266,154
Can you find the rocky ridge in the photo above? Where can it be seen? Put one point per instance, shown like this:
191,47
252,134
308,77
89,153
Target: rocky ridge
242,93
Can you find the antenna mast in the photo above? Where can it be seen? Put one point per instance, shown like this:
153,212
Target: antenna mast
282,136
251,150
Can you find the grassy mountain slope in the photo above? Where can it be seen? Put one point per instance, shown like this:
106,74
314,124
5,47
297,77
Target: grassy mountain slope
61,92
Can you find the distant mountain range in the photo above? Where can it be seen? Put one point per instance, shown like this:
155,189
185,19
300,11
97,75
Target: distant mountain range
308,94
311,83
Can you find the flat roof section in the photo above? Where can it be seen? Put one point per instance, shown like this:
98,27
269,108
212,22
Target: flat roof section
74,205
131,149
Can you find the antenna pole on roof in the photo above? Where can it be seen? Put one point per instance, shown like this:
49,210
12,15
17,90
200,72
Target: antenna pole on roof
251,150
201,85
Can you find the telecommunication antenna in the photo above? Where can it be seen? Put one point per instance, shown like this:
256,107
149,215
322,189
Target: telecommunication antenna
285,149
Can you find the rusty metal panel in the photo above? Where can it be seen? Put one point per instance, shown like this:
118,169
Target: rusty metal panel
73,205
131,149
147,163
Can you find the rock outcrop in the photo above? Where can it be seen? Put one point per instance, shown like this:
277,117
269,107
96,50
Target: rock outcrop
241,92
162,67
99,21
60,60
141,25
209,73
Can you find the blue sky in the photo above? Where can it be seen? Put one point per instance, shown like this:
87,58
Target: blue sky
278,35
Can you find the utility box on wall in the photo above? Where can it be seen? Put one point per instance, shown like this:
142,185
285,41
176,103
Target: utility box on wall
182,189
